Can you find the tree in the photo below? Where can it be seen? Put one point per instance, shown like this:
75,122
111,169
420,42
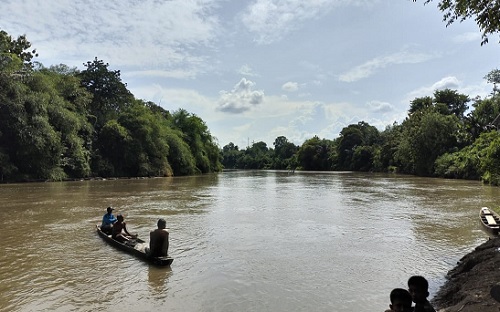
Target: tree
486,13
384,159
453,102
471,162
256,156
350,137
26,134
483,117
110,94
490,163
114,148
14,53
148,148
353,137
198,137
425,136
284,152
315,154
230,155
419,104
68,114
179,154
494,78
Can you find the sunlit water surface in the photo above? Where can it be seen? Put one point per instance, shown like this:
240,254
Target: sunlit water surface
242,241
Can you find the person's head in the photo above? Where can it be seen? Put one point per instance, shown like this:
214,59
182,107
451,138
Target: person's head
110,210
162,224
400,300
119,217
418,288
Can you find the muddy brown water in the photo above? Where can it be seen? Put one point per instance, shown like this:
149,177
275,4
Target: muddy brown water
242,241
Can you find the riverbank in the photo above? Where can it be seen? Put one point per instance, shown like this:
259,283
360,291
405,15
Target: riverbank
467,288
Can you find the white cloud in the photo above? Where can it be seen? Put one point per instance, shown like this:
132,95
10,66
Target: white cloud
159,34
246,70
446,82
380,107
481,89
467,37
179,53
370,67
241,98
173,99
270,20
290,86
172,73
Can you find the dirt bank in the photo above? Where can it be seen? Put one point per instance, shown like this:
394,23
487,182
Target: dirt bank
468,285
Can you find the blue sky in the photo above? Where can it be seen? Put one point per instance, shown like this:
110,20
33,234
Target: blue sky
255,70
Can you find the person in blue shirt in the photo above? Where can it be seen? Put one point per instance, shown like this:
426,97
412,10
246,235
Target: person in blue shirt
108,220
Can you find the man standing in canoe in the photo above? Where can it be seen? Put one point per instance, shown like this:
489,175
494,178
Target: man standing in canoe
158,243
108,220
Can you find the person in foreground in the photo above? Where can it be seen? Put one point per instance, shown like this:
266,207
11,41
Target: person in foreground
158,243
419,290
108,220
400,301
119,230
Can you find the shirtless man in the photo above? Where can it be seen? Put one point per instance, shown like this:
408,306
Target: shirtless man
119,230
158,244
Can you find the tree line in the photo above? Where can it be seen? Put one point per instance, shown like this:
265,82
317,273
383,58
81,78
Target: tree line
61,123
442,136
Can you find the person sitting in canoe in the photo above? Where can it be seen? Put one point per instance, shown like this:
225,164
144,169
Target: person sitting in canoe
119,230
158,243
108,220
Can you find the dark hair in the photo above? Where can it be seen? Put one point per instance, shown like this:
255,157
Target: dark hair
119,216
419,281
162,223
401,294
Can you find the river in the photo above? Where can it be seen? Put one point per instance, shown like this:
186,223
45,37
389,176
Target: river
242,241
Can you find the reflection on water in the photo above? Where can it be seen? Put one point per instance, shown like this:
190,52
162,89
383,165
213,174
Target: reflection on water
158,279
242,240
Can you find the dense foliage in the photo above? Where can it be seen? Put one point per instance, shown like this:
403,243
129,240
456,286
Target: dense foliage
60,122
441,137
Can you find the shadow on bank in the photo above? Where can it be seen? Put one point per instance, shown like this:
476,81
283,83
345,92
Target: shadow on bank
470,285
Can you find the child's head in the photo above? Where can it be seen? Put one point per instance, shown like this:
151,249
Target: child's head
418,288
400,300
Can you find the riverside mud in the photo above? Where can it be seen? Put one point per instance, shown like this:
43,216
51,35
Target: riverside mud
467,288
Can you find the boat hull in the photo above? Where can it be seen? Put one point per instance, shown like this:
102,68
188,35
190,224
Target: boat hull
490,221
137,250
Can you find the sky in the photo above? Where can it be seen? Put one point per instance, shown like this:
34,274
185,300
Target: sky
259,69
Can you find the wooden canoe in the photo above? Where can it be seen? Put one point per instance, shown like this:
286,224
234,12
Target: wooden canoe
137,249
490,221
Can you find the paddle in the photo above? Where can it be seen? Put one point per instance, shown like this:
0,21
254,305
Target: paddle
495,292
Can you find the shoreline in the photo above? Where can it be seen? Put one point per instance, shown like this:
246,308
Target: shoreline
468,284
